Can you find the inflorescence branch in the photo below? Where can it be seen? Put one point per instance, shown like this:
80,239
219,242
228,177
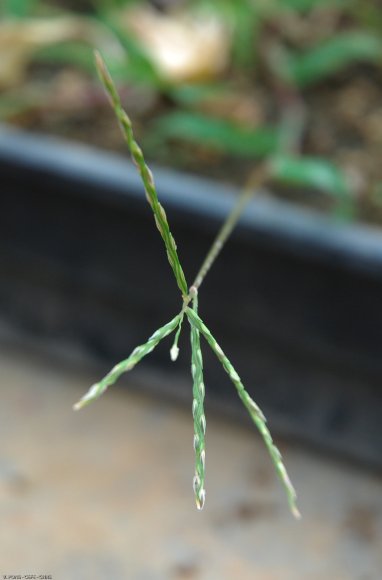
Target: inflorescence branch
198,327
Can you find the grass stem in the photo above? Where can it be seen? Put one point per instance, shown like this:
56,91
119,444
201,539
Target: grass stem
255,181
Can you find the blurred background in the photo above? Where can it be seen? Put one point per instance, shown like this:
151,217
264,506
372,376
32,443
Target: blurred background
231,82
214,90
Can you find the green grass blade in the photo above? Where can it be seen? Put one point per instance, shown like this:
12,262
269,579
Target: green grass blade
146,175
198,412
73,53
126,365
312,172
334,55
253,410
316,173
218,134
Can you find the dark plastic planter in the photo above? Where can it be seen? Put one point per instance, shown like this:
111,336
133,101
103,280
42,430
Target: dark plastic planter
294,299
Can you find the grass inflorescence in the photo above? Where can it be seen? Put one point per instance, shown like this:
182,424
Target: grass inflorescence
190,310
198,392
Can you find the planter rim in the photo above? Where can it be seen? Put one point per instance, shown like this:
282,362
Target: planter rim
303,231
304,326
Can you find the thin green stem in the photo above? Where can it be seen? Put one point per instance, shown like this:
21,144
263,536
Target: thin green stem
252,408
146,175
255,180
126,365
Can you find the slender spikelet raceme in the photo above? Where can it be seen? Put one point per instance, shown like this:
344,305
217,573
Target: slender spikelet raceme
126,365
254,411
198,412
146,175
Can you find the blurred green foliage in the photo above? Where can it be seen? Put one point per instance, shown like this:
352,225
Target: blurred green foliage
18,8
220,134
332,56
317,174
311,172
262,51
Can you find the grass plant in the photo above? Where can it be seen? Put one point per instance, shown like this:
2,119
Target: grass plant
189,310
